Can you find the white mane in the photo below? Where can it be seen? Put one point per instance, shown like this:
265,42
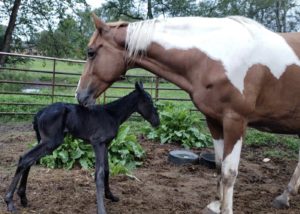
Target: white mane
140,34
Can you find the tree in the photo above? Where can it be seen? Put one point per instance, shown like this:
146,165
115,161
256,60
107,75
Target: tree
4,46
36,15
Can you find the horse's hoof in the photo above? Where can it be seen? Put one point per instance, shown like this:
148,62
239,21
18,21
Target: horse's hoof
212,208
281,202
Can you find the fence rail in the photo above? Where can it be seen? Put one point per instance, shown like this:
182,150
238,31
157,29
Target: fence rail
50,80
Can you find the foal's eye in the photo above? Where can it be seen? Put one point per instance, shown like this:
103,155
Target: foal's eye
91,53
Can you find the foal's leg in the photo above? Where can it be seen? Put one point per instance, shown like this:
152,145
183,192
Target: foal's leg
99,149
108,193
282,201
24,164
22,187
23,183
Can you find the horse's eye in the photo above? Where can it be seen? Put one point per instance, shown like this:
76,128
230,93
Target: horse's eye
91,53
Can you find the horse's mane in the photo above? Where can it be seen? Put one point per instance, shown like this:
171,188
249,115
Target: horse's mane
140,34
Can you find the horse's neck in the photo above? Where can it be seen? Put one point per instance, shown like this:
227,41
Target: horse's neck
163,65
123,108
157,61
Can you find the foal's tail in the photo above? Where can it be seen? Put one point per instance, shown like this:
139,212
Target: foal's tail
36,127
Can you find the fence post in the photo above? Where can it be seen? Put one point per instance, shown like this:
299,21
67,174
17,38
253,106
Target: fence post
104,97
53,79
156,88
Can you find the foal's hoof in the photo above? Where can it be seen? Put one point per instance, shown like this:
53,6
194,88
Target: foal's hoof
24,201
281,202
212,208
11,207
112,198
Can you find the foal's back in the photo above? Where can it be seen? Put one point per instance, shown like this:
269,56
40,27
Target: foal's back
87,123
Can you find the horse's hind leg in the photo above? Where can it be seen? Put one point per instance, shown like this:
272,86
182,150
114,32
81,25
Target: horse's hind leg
24,163
282,201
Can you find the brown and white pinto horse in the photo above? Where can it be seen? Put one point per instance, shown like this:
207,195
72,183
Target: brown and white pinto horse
236,72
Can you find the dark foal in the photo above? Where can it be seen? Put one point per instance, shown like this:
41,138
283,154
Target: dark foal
97,125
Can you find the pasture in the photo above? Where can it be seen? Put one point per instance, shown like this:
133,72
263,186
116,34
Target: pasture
160,187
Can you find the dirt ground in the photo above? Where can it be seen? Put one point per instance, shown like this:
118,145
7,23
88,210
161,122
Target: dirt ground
163,188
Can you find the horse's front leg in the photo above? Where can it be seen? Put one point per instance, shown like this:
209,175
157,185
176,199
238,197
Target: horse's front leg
282,201
233,129
108,193
99,149
216,130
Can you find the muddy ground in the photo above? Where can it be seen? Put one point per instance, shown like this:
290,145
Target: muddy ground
163,188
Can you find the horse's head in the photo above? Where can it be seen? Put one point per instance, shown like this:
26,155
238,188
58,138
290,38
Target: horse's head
105,63
146,106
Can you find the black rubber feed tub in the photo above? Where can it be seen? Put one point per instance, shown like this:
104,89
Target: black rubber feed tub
208,160
179,157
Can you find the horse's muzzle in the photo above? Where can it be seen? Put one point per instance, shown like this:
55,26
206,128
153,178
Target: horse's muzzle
85,99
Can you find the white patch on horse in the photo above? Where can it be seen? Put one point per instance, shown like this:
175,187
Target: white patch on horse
230,171
219,149
238,42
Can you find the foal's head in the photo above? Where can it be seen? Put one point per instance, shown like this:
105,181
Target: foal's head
105,61
146,107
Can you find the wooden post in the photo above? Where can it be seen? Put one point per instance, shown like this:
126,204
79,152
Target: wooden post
156,88
53,79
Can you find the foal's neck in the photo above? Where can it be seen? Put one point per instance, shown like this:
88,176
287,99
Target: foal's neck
124,107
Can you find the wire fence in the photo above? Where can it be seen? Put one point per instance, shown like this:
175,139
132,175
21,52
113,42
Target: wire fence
29,82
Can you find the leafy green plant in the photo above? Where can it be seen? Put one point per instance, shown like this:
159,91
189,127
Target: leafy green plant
179,125
125,153
70,153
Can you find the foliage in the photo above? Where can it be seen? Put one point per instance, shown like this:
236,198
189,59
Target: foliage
258,138
124,153
35,16
71,152
178,124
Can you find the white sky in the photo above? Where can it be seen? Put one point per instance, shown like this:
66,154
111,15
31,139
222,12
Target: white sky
95,3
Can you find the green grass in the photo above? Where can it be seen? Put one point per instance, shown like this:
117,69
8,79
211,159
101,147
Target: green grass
275,142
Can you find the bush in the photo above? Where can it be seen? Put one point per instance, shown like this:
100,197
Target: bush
125,153
178,125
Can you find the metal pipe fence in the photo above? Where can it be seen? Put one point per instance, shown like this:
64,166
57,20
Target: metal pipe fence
41,81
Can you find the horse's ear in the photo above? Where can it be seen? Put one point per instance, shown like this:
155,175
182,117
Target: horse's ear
99,24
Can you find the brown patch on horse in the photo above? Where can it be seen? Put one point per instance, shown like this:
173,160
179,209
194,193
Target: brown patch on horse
273,99
293,39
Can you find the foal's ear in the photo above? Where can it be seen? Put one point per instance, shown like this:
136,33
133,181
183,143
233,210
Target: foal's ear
99,24
139,86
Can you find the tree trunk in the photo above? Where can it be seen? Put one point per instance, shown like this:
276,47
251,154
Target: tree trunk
149,12
278,16
9,31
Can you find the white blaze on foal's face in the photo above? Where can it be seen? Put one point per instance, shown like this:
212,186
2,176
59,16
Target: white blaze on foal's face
238,42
